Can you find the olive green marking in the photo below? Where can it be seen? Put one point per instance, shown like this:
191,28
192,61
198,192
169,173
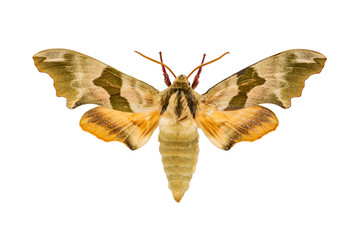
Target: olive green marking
56,65
320,61
246,82
120,103
296,73
63,74
111,81
273,98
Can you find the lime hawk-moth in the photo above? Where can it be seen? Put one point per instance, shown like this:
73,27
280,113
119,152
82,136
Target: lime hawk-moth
130,110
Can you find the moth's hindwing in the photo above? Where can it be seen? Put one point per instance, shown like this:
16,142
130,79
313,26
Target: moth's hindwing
83,80
133,129
225,128
275,80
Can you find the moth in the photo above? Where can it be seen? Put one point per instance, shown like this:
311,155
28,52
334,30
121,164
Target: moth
130,110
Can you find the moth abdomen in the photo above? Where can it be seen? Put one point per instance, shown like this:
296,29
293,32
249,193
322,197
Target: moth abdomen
179,152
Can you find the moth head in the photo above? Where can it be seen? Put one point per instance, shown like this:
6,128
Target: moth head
182,78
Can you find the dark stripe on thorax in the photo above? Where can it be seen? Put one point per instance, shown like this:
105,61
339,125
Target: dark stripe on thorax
180,92
179,107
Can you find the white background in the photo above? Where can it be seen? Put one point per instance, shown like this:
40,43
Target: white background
300,182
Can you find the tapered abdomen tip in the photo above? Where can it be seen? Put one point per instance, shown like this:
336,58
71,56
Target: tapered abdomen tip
178,189
178,196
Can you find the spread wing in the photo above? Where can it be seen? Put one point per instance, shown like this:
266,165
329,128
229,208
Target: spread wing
275,79
225,128
129,108
85,80
133,129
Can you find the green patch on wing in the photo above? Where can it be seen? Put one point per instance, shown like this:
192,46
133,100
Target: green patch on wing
246,82
110,80
63,74
295,74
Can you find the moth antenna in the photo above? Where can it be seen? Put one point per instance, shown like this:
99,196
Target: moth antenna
196,78
166,76
204,64
162,64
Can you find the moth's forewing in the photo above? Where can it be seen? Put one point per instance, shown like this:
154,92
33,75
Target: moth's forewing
130,111
275,79
84,80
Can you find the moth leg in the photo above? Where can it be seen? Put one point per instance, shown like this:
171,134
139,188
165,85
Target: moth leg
166,76
196,78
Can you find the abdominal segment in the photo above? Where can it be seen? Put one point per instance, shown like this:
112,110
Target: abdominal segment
179,151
